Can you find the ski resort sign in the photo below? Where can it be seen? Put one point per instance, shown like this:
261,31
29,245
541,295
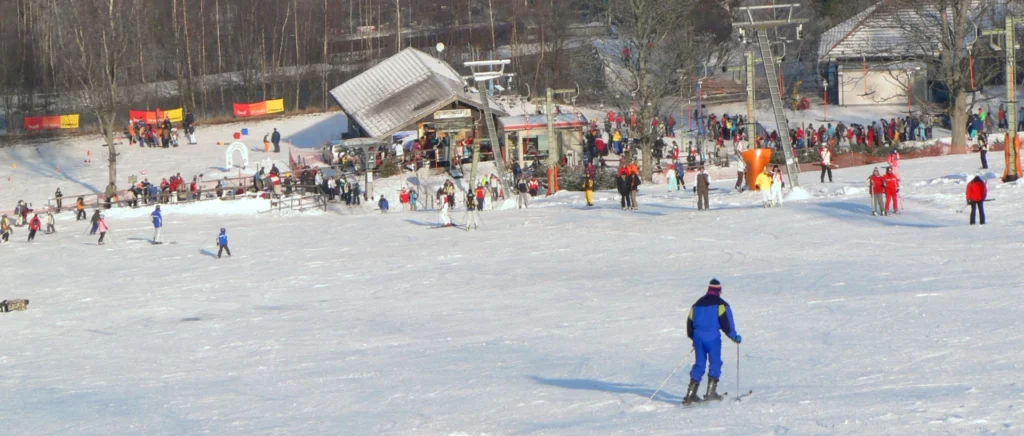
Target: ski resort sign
453,114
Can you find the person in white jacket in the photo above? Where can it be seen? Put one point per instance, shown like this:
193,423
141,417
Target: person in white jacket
741,171
826,163
442,212
777,185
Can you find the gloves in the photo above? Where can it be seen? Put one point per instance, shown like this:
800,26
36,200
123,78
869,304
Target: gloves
736,338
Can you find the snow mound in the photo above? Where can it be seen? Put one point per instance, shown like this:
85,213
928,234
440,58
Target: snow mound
952,178
242,207
850,190
797,194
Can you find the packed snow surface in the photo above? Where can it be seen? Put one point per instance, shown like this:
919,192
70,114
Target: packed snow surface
557,319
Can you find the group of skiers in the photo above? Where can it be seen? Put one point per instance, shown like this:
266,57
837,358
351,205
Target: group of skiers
163,135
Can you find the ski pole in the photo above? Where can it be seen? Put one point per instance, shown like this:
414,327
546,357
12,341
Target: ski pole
669,377
737,368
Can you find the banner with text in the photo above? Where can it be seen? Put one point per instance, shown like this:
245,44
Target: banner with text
259,108
35,124
153,117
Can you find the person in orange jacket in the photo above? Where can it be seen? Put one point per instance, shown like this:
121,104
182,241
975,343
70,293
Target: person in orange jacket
892,190
33,227
976,194
480,194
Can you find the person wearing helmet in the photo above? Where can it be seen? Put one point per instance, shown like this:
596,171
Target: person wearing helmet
222,243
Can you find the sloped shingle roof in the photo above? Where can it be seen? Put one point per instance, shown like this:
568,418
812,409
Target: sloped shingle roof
888,30
400,90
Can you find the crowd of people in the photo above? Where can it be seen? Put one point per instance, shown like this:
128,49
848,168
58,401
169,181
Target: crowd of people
163,134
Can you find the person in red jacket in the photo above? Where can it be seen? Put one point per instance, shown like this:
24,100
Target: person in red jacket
35,224
976,193
876,189
892,190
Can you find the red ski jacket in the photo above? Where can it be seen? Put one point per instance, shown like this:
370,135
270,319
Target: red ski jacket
976,190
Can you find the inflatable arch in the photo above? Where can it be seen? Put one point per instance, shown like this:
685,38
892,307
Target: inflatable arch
230,152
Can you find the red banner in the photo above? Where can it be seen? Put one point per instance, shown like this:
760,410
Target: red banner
250,109
259,108
33,124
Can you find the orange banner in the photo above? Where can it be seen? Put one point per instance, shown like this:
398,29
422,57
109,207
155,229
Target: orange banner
153,117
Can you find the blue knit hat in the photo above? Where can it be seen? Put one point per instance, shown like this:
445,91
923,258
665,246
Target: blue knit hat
715,287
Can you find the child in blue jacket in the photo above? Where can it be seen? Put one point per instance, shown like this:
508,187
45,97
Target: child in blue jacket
222,243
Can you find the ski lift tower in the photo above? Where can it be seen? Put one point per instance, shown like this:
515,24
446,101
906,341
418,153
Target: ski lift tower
749,22
495,69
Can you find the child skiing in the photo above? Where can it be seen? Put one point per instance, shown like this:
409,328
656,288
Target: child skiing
222,243
707,316
33,227
102,227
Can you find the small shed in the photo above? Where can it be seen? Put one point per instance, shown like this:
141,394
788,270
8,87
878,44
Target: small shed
526,136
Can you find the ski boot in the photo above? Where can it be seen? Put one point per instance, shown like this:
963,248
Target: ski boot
712,392
691,393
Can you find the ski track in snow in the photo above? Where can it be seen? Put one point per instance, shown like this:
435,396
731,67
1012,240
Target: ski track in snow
548,320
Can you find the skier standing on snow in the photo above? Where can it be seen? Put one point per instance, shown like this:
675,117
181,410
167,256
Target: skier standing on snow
894,163
892,190
777,185
60,199
876,189
80,207
707,316
95,220
158,223
5,229
50,228
702,185
33,227
222,243
102,224
826,163
442,212
976,193
276,139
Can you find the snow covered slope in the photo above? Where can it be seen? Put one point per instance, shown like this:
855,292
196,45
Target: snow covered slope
557,319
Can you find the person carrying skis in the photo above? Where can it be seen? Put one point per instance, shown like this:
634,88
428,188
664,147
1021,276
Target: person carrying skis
876,189
764,184
702,185
707,316
976,194
158,223
892,190
102,227
222,243
777,185
33,227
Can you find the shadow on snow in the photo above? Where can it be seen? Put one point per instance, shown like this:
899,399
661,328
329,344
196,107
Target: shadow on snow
603,386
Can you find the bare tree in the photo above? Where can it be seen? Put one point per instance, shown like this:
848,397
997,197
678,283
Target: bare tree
933,34
94,53
658,52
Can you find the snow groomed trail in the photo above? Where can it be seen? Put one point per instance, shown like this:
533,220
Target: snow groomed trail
550,320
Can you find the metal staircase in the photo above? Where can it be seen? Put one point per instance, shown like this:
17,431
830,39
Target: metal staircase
792,165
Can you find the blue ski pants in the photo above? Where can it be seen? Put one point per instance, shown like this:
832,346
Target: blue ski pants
707,349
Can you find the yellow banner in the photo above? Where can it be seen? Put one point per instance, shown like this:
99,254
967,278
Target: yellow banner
176,115
275,106
69,121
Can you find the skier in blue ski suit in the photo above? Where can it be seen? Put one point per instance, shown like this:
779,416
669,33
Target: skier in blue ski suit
158,222
707,316
222,243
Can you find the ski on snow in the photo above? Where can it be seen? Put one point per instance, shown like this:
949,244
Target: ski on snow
724,395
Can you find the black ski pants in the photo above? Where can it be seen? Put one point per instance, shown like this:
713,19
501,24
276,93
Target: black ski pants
222,249
979,208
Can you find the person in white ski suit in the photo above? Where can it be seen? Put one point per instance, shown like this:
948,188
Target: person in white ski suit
442,212
777,185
